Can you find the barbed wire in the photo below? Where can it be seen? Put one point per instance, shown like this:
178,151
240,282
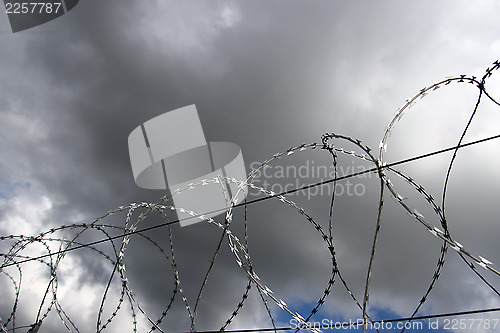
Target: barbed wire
246,203
55,248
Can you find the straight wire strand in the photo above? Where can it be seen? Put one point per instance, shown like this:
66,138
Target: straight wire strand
356,324
305,187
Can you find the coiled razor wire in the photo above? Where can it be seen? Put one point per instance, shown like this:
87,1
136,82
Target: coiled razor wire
11,268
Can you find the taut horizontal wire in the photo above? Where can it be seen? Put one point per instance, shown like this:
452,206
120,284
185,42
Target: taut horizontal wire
346,324
305,187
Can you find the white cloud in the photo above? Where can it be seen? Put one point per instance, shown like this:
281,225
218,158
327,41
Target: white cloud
186,29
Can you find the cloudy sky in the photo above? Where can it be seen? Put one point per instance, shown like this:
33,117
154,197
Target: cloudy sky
266,75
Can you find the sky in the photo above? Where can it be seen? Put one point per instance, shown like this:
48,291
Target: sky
267,76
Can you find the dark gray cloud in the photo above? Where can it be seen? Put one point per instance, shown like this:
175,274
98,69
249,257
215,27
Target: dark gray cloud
266,76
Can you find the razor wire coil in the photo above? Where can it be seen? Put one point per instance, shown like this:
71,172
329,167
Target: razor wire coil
56,248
